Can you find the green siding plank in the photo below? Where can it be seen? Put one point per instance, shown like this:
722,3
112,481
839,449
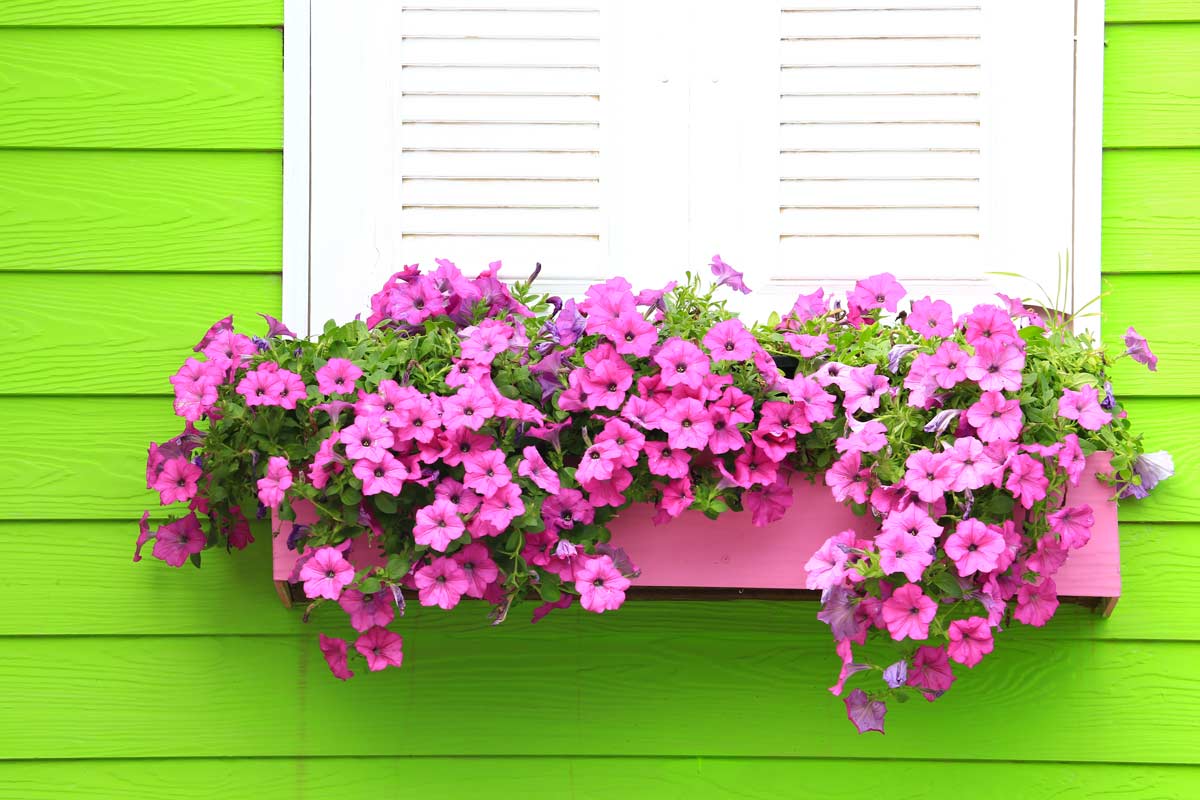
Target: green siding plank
599,685
1152,10
1151,211
151,598
1154,306
90,339
585,778
86,13
150,88
1152,86
140,211
102,475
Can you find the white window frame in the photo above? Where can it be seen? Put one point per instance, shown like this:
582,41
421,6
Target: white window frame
298,159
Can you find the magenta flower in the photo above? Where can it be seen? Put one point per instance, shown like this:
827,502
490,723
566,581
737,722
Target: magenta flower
607,301
1073,525
290,389
931,671
368,610
338,376
969,465
995,418
877,291
384,475
808,306
470,407
1083,406
381,648
1027,479
437,525
367,438
770,503
988,322
326,574
228,349
730,341
970,640
974,547
486,472
929,475
662,460
996,366
899,552
931,318
908,612
194,400
728,276
335,652
278,480
949,365
177,541
261,387
865,713
477,564
483,342
863,389
1036,604
600,584
682,363
687,424
177,480
1137,348
441,583
912,520
848,479
534,467
808,345
827,567
631,334
502,507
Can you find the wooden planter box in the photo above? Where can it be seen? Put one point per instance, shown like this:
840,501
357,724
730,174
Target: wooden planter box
695,556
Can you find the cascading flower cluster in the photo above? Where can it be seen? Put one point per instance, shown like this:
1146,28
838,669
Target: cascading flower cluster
480,440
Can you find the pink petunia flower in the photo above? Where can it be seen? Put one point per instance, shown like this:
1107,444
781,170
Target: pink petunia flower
1073,525
631,334
368,610
969,465
848,479
477,564
729,340
970,640
534,467
908,612
1137,348
441,583
996,366
687,424
261,387
949,365
338,376
437,525
194,400
502,507
177,480
974,547
483,342
385,475
381,648
486,472
662,460
228,349
931,670
770,503
177,541
470,407
866,437
566,509
728,276
682,363
877,291
931,318
335,652
808,345
863,389
912,520
367,438
417,419
1027,479
1037,604
827,566
275,484
996,418
929,475
899,552
988,322
600,584
606,301
1083,406
326,574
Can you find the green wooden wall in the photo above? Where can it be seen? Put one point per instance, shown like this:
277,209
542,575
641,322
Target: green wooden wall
140,199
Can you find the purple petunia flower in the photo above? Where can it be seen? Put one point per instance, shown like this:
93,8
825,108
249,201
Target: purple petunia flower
1137,348
728,276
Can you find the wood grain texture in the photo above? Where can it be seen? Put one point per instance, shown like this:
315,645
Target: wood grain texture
88,13
607,685
87,340
1151,211
1152,10
102,476
188,88
1154,306
1152,86
140,211
584,778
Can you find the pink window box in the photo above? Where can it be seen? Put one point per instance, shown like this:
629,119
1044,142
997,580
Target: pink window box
695,552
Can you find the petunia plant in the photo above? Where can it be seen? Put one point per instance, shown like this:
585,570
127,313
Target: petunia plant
477,440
